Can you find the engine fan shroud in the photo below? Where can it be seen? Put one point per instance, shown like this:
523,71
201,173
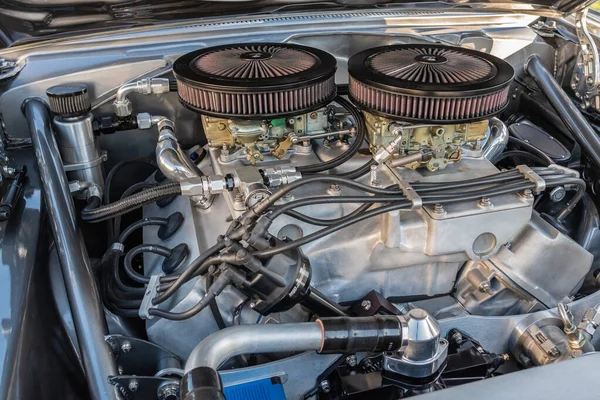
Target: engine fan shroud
429,83
260,80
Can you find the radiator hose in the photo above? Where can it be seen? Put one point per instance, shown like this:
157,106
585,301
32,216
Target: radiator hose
377,333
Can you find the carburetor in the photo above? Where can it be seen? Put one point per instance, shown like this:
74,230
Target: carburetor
252,139
443,143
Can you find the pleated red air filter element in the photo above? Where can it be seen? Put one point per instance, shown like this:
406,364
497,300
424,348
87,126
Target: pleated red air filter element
429,83
249,80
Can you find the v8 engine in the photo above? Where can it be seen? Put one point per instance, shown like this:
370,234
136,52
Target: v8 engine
332,232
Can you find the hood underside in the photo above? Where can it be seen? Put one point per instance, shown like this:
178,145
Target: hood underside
24,19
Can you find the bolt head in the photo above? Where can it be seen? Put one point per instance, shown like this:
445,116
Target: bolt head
126,347
351,360
133,385
366,304
325,386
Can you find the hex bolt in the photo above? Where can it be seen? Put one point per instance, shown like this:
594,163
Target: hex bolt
366,305
133,385
485,202
126,347
439,209
352,361
528,194
325,386
334,189
457,337
485,287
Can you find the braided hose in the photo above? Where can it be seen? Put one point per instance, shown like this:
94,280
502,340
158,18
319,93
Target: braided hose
94,215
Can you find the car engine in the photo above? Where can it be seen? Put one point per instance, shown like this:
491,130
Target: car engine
304,225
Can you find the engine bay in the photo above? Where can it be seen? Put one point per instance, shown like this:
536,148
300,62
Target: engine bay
278,221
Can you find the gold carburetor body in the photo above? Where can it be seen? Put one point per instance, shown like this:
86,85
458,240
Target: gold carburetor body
254,139
443,144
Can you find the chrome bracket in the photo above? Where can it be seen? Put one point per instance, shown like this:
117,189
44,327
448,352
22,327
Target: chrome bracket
585,81
407,190
540,183
149,295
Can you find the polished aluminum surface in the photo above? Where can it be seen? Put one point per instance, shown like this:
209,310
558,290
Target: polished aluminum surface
88,313
254,339
78,147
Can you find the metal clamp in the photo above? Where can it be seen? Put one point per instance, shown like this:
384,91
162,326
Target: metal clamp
88,164
407,190
149,295
540,183
586,74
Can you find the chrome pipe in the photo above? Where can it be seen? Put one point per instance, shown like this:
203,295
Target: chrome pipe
84,299
249,339
497,141
174,164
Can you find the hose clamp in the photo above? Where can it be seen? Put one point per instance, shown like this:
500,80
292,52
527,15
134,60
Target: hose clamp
149,295
118,247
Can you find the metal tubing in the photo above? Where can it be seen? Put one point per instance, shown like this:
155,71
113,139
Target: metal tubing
579,127
84,300
497,141
248,339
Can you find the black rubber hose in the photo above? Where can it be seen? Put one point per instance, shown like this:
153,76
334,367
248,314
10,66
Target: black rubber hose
326,222
217,287
580,128
143,248
188,273
140,224
331,229
361,134
214,307
266,204
130,203
332,200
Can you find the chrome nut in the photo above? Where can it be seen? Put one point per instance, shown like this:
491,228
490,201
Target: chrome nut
217,184
144,121
590,321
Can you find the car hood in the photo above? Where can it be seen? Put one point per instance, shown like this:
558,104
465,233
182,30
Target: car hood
40,19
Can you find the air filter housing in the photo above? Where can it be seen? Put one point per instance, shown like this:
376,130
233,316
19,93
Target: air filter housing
429,83
255,80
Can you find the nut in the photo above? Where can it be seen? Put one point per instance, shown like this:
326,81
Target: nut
144,120
366,304
123,108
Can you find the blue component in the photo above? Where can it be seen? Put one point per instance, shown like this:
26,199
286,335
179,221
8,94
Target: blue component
194,156
264,389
